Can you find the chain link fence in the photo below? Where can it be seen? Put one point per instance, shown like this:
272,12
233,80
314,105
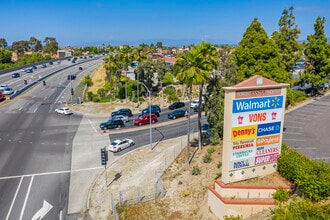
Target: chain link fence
154,190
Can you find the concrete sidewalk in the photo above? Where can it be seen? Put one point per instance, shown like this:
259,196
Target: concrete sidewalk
87,180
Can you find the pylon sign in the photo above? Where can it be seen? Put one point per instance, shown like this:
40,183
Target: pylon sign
253,124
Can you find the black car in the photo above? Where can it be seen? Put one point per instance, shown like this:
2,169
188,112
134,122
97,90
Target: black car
122,111
153,110
177,114
176,105
15,75
112,124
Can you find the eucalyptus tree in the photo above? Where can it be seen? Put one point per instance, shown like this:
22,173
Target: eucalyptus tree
317,52
193,69
3,43
286,39
257,54
51,45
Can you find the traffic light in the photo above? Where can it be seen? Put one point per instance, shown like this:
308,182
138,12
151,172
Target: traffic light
104,156
72,92
25,82
44,82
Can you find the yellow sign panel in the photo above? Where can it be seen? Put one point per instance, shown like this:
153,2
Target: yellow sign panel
244,132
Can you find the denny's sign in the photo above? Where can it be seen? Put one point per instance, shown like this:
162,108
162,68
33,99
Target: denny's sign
254,113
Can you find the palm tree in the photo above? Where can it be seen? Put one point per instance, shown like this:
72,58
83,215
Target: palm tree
193,70
125,56
110,66
210,54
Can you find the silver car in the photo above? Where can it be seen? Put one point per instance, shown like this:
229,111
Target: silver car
124,118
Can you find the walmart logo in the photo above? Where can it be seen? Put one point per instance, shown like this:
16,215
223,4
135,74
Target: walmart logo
257,104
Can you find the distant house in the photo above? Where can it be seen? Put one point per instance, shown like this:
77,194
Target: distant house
169,60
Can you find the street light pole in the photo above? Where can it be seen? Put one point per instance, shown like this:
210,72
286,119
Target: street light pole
150,122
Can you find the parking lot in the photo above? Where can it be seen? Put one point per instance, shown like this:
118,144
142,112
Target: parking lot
307,128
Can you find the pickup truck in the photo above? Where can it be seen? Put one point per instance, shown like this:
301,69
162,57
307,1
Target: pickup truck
145,119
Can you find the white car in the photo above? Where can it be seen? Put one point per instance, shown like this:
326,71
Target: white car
63,110
120,144
124,118
6,90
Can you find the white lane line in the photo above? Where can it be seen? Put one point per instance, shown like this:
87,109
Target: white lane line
26,198
14,199
286,132
52,173
293,127
297,122
284,139
305,148
90,122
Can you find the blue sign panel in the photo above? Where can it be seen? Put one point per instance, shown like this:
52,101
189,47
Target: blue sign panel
257,104
269,128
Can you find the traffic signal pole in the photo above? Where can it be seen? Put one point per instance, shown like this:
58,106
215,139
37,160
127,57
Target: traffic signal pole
104,160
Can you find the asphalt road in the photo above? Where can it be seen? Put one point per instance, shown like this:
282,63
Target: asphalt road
307,129
35,151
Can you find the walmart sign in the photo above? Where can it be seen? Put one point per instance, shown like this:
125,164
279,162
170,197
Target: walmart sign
257,104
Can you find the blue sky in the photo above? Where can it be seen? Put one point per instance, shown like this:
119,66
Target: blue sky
81,22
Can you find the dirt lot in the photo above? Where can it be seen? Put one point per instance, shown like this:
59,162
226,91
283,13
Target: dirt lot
186,194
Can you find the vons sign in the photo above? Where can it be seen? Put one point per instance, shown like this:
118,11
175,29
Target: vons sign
254,113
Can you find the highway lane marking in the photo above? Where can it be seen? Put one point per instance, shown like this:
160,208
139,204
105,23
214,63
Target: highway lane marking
26,198
52,173
14,199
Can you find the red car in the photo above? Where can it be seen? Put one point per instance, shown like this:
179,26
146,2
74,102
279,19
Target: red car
2,96
145,119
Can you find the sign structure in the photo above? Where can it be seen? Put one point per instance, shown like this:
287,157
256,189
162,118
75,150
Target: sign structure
252,129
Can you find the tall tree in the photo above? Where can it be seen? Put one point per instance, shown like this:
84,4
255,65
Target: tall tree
211,55
256,54
3,43
35,44
111,66
286,39
51,45
317,52
214,103
20,47
193,70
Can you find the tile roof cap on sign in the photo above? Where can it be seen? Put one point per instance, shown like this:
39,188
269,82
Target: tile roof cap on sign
256,80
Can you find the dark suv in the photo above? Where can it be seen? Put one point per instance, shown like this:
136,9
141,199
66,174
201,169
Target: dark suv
122,111
176,105
153,111
112,124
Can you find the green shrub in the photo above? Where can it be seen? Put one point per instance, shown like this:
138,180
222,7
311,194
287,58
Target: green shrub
312,177
195,171
96,99
218,175
231,217
207,158
281,195
210,150
302,209
219,165
214,140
